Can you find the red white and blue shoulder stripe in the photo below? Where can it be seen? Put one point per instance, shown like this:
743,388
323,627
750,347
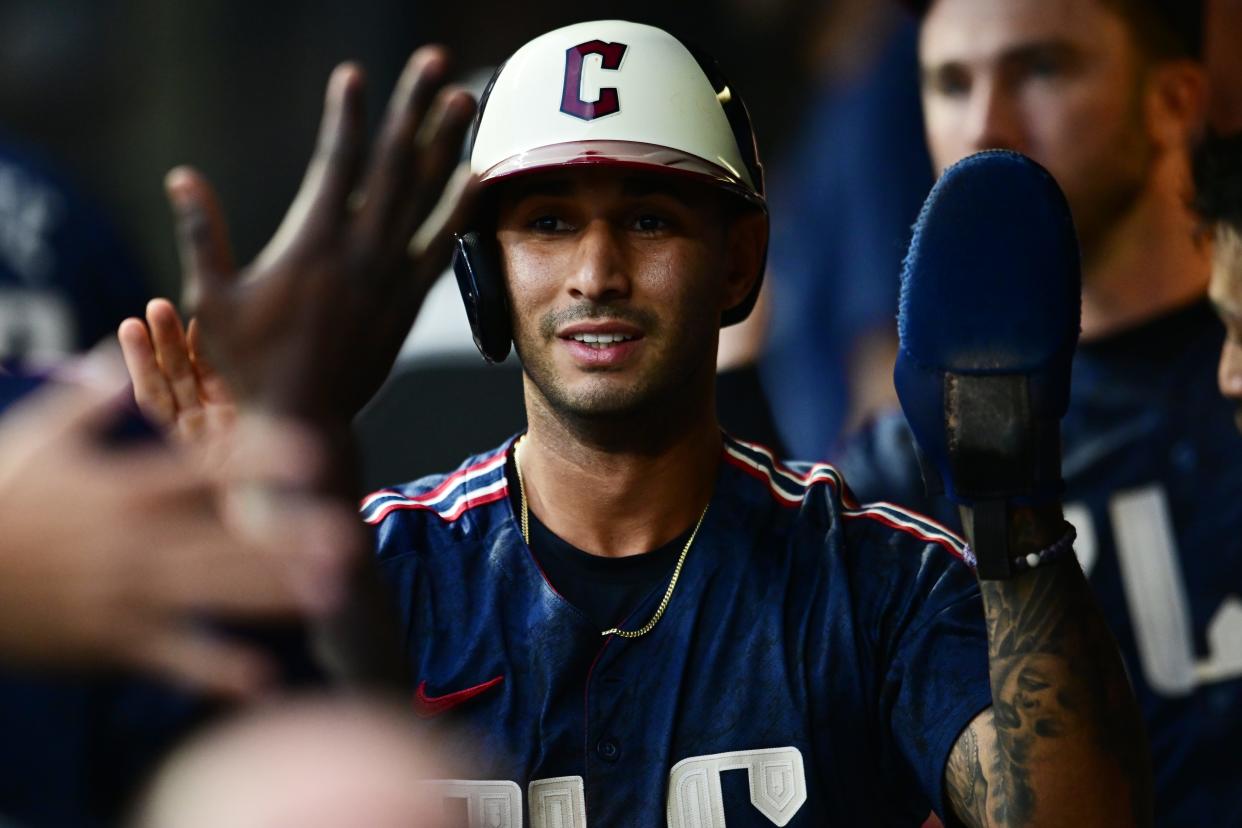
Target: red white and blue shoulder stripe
789,486
479,481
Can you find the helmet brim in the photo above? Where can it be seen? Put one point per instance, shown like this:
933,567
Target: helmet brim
626,154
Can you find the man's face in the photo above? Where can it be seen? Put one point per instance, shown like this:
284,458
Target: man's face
1057,80
616,283
1226,293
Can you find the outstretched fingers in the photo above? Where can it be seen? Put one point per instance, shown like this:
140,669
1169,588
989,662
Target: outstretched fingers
429,247
322,201
173,355
439,143
385,192
202,236
151,389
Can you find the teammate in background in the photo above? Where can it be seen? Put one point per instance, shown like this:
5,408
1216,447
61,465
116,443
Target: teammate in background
622,605
1109,97
66,278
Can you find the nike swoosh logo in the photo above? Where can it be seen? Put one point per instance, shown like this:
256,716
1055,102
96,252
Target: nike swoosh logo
426,707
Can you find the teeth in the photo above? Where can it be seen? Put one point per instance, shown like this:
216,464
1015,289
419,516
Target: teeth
601,339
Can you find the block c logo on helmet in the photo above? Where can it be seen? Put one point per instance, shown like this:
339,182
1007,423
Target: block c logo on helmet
609,101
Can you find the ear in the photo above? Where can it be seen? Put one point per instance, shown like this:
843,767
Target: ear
1176,103
747,245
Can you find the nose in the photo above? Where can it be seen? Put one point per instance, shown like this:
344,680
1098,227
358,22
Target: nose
992,120
1229,374
599,273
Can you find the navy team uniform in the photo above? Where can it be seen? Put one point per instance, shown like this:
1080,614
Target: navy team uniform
1153,467
66,278
815,665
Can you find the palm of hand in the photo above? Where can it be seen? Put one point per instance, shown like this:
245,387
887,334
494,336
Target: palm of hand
311,328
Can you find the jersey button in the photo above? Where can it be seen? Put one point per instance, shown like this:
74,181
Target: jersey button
608,750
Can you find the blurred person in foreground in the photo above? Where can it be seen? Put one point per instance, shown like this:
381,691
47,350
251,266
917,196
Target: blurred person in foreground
330,762
1110,96
120,560
552,597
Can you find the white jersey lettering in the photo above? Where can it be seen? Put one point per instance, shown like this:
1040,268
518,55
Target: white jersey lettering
777,786
1155,590
557,803
489,803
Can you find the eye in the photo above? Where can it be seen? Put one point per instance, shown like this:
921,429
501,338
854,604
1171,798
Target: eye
949,82
1048,63
1044,67
650,223
549,224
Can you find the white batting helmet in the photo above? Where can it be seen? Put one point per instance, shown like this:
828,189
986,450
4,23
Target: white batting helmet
613,93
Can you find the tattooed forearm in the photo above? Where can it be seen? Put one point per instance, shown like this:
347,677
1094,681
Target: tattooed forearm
964,780
1062,709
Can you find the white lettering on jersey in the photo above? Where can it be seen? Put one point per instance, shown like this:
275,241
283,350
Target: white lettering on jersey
29,214
1155,591
557,803
777,790
489,803
777,786
36,326
1084,545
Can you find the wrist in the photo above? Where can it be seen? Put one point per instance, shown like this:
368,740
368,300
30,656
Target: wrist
1031,537
312,454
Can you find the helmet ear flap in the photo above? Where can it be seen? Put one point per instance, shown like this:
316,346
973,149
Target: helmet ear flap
476,263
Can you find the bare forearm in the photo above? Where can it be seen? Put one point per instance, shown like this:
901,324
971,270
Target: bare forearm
360,645
1066,744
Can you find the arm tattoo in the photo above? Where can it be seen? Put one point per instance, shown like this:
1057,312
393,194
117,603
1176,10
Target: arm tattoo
964,780
1059,694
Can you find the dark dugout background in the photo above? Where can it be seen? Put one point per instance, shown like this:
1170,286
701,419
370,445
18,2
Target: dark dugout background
117,92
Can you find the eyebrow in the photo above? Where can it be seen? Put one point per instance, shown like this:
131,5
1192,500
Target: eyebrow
1022,53
1029,52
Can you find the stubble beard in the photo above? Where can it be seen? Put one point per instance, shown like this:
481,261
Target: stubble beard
1114,185
670,384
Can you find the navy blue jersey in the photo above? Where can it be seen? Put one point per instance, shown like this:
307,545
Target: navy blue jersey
66,278
1153,468
815,664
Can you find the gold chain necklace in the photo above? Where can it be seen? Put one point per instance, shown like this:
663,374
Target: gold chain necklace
672,584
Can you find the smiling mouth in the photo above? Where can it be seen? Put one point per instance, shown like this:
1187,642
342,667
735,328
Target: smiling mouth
600,340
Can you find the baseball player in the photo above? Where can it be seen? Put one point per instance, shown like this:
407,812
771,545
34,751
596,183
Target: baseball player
633,619
1108,97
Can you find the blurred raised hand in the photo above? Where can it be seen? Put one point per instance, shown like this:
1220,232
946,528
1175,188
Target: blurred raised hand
114,555
311,328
